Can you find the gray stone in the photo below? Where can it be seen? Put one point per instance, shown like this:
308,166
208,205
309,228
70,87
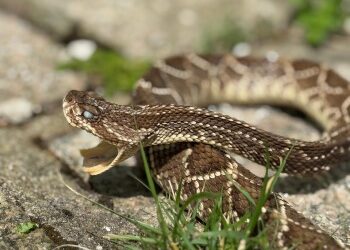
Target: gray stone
31,190
151,28
81,49
28,60
329,208
47,14
16,111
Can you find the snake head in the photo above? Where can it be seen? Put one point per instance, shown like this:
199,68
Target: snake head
112,123
83,109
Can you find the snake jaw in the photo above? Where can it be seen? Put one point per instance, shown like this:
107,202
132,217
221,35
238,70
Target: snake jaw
98,169
105,156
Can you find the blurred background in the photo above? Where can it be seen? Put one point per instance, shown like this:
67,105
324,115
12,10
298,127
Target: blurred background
122,38
48,47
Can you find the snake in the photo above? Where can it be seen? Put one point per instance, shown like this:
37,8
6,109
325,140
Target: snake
189,146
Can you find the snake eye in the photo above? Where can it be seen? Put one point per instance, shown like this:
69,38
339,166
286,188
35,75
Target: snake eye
88,115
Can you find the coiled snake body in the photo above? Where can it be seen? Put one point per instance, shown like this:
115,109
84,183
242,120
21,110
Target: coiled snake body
191,144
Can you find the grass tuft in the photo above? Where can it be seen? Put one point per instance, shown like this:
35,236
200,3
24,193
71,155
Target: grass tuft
180,230
26,227
117,72
319,18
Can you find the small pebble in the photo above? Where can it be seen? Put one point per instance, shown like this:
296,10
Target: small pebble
16,110
242,49
272,56
81,49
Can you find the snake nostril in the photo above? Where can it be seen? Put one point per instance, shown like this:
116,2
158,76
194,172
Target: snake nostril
69,98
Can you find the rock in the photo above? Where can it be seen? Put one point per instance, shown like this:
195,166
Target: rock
46,14
241,49
16,111
31,190
329,208
151,28
67,147
29,82
81,49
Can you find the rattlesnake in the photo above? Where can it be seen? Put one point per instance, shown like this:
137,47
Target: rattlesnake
186,142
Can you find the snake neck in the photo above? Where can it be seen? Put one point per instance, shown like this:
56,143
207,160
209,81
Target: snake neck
172,124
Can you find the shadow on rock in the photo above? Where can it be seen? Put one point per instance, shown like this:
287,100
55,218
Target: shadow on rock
120,182
311,184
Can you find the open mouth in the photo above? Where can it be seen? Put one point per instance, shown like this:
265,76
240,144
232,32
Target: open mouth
99,158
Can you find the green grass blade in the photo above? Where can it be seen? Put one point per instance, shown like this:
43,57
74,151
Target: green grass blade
161,220
193,198
266,190
244,192
129,237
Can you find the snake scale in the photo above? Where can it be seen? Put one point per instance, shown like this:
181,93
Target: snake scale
186,142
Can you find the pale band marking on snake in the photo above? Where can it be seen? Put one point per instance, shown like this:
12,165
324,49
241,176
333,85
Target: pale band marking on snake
187,142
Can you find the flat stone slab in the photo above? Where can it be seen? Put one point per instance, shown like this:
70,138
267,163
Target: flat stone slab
31,190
